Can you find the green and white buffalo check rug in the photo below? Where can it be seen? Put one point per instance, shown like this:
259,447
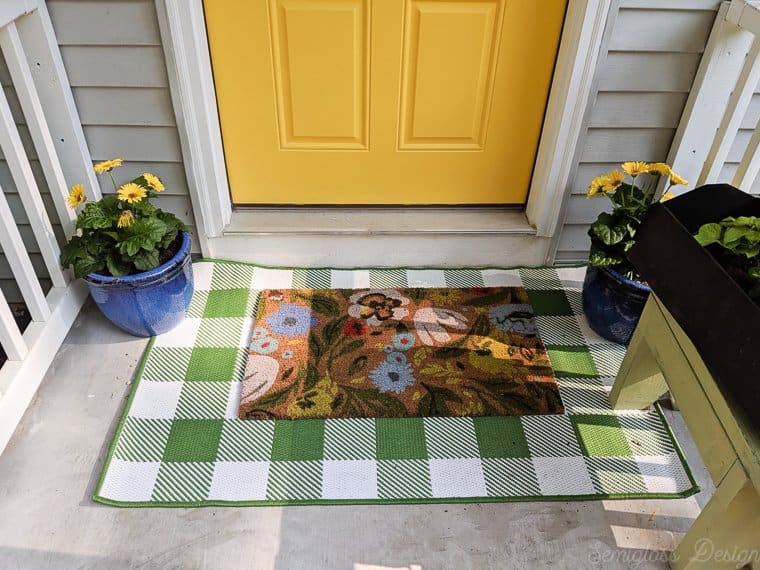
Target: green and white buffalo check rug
180,442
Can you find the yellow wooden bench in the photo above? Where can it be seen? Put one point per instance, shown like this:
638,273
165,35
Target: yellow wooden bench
661,357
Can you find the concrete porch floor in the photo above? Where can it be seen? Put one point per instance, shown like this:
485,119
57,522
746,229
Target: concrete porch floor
49,470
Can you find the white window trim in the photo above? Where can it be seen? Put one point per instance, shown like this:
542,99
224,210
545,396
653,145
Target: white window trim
188,62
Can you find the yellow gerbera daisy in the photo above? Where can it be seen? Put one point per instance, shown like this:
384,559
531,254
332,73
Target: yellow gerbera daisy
76,196
659,168
612,181
126,219
153,181
107,165
131,193
667,196
675,179
634,168
595,188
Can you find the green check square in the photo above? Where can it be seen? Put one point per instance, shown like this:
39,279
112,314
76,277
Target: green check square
549,302
600,435
501,437
226,303
571,361
212,364
298,440
193,441
402,438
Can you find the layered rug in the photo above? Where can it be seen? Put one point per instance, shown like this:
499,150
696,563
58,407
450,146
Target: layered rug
181,442
396,352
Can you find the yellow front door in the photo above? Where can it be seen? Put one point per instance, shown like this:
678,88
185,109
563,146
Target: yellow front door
382,101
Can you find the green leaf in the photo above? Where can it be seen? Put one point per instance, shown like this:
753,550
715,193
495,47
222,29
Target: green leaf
481,326
709,233
315,347
331,331
146,260
116,266
88,264
351,347
599,258
312,377
608,229
449,352
754,272
357,365
77,247
142,234
93,217
324,305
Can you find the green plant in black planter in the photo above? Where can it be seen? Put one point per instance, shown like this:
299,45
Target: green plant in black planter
736,244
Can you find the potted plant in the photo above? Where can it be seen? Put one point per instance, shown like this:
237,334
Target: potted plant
613,293
134,256
703,286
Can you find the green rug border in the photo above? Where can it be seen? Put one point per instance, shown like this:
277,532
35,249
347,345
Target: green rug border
695,488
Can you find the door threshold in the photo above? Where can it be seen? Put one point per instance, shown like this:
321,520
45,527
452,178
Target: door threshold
399,220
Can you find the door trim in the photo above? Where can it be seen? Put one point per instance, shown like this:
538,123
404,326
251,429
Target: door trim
188,62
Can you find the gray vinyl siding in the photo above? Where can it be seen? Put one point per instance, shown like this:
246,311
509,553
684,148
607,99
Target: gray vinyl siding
643,86
113,56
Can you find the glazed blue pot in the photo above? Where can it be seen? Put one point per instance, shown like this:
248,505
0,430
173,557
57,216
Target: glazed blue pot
612,303
147,303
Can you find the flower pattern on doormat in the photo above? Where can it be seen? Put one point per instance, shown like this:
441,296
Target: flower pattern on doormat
397,352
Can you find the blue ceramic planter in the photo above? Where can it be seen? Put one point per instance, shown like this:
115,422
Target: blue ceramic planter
612,303
148,303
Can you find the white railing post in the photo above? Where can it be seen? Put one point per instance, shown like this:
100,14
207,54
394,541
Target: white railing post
21,75
49,75
10,336
722,60
21,264
27,189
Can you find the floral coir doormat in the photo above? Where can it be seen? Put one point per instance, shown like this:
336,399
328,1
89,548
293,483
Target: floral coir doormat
397,352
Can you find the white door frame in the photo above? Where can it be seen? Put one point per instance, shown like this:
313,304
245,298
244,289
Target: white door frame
185,43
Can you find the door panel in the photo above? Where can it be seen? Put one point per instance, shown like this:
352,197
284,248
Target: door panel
382,101
449,57
322,96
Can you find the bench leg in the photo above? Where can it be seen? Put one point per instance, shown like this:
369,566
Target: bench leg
727,532
640,381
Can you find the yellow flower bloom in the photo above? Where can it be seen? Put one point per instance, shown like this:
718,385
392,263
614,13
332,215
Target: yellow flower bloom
595,188
126,219
107,165
659,168
635,168
154,182
612,181
76,196
131,193
667,196
675,179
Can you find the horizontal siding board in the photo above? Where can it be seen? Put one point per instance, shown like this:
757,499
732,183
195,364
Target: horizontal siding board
662,30
114,66
584,210
638,110
671,4
618,145
110,106
654,71
98,22
158,144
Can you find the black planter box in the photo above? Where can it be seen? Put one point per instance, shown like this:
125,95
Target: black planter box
717,315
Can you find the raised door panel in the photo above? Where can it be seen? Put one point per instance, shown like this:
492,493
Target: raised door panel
320,63
449,59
